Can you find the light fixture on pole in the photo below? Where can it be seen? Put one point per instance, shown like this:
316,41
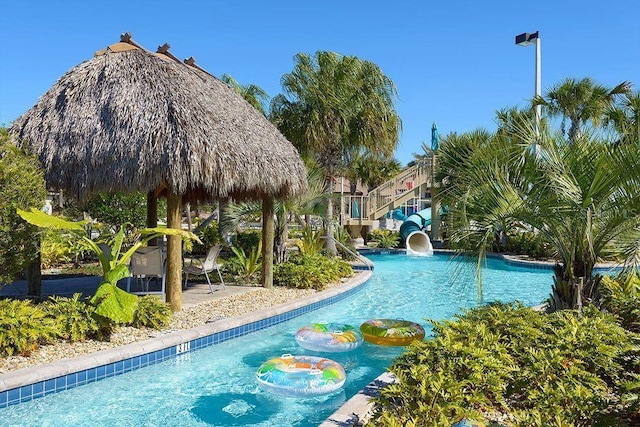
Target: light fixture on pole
526,39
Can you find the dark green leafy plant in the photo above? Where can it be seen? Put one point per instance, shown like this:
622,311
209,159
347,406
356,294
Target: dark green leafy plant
245,268
23,326
385,238
247,240
310,271
74,318
151,313
562,369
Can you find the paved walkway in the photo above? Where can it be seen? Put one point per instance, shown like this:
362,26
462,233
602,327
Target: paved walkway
196,293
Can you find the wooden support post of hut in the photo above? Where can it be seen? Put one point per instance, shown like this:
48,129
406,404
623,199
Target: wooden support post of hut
267,242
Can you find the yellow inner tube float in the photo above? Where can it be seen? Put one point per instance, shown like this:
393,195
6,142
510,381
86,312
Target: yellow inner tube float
392,332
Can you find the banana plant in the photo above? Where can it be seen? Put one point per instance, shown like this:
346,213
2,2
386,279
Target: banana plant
110,301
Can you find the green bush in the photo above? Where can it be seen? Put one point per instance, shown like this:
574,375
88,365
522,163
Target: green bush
385,238
526,243
209,236
119,208
74,318
21,186
151,313
248,240
621,297
310,242
562,369
23,326
55,249
342,235
245,268
310,271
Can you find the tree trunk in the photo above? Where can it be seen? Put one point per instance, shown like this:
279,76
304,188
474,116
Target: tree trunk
222,205
152,214
187,211
281,236
330,245
267,242
174,253
34,275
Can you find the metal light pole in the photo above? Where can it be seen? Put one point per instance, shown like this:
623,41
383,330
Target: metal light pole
526,39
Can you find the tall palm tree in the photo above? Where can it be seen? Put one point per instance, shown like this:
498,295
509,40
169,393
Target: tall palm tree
582,199
334,105
580,101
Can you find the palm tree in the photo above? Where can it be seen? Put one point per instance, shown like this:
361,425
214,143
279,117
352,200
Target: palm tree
580,101
582,198
251,93
372,170
624,117
334,105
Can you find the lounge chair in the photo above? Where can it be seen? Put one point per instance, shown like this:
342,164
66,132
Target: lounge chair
206,266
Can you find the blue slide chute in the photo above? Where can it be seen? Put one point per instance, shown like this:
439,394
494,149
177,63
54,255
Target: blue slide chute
416,240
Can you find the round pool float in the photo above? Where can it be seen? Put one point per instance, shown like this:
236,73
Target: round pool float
300,376
329,337
395,332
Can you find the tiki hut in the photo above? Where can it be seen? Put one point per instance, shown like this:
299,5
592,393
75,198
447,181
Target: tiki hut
132,120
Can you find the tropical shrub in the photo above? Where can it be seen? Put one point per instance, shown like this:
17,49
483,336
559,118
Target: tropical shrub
310,271
119,208
74,318
23,327
209,236
247,240
245,269
21,186
310,243
530,368
621,297
527,243
385,238
151,313
342,235
55,249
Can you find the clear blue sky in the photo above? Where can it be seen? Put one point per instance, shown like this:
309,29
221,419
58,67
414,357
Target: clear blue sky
453,62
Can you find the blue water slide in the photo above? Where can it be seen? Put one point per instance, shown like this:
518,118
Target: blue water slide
416,240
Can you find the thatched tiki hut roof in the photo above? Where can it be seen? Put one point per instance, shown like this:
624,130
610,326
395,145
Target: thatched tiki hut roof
131,120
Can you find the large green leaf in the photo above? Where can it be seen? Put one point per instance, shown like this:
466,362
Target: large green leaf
114,303
41,219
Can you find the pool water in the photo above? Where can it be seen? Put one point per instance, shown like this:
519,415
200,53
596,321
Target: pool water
217,385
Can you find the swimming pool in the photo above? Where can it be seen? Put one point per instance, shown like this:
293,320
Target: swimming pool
217,386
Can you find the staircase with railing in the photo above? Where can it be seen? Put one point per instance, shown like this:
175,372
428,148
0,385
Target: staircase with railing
390,195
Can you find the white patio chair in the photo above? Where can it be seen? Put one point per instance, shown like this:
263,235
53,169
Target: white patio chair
147,264
206,266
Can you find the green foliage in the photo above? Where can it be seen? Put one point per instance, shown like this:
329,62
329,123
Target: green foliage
57,248
119,208
23,326
526,243
151,313
209,236
562,369
315,271
310,243
113,303
21,186
248,240
245,268
385,238
622,299
74,317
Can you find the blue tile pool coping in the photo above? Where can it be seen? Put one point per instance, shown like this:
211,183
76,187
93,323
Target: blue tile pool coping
31,383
